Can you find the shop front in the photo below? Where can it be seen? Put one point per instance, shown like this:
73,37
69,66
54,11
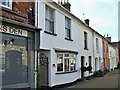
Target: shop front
18,44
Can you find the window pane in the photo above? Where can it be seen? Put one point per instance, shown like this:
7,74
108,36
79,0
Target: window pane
67,27
49,25
46,12
67,23
72,64
85,40
67,33
3,3
73,55
6,3
66,55
50,14
66,63
59,62
97,45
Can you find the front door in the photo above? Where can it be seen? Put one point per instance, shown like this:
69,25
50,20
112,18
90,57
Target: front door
96,63
43,70
82,64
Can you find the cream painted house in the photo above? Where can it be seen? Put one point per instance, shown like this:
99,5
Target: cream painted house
112,57
66,42
98,52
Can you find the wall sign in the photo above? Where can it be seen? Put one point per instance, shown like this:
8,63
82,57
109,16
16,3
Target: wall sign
12,30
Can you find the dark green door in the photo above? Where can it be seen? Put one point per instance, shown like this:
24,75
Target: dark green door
14,69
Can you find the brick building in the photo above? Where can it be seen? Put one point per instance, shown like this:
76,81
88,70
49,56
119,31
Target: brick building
18,44
105,53
117,44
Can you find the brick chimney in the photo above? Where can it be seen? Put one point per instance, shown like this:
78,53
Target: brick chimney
87,21
65,4
108,38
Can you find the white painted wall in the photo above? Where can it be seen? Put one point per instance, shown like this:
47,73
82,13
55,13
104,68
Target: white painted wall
98,54
89,52
50,42
112,57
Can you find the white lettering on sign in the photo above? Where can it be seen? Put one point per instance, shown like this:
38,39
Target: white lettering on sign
12,30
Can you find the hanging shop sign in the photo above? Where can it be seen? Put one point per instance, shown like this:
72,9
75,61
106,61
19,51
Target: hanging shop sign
12,30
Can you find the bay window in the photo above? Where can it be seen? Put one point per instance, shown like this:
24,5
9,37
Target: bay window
66,62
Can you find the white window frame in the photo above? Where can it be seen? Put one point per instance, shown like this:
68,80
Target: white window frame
85,40
97,45
72,62
7,5
49,19
67,28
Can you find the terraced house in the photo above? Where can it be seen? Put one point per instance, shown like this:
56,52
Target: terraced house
113,55
98,52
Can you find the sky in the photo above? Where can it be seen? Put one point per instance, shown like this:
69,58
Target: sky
103,15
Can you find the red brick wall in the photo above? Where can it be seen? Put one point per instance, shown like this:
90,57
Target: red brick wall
19,11
105,53
118,45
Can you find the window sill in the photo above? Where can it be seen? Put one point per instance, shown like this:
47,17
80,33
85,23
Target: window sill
50,33
69,39
66,72
86,48
5,6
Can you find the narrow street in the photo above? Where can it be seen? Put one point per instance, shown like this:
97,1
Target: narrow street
110,80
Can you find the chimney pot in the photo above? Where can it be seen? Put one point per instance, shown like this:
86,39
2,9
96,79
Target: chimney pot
58,1
66,5
107,35
87,21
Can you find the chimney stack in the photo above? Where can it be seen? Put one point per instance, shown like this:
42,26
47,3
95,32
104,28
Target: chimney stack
87,21
58,1
65,4
108,38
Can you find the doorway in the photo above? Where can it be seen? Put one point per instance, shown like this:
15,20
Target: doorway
82,64
43,76
14,60
96,63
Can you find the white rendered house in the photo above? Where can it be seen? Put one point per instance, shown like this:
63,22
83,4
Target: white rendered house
66,44
98,52
112,57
